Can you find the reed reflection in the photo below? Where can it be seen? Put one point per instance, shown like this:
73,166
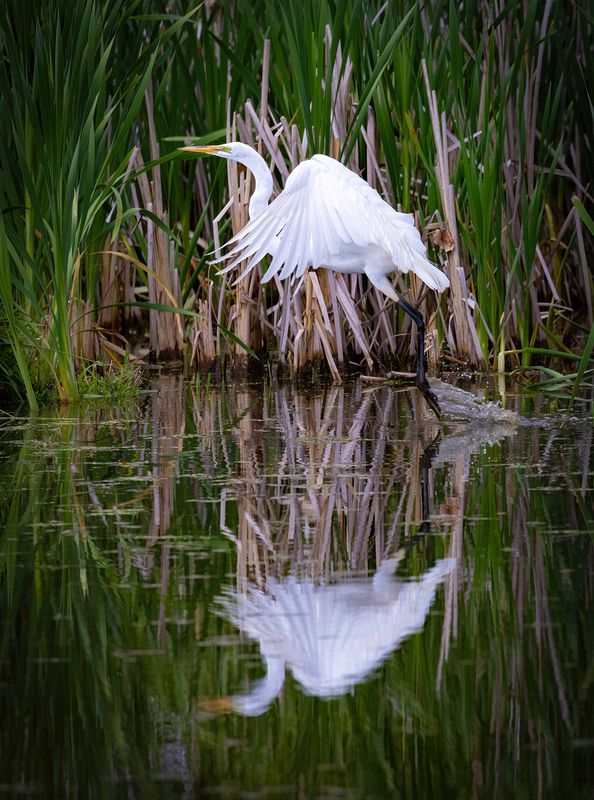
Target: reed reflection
336,490
321,533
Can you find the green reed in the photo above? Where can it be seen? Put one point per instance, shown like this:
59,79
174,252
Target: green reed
75,98
65,141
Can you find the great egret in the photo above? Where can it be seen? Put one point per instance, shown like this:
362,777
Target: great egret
327,216
331,636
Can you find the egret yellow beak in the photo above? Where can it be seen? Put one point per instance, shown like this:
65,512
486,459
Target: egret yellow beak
211,148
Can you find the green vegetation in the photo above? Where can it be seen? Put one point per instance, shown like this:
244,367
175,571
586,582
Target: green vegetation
117,383
474,121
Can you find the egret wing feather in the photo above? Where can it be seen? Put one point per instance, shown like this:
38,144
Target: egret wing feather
327,216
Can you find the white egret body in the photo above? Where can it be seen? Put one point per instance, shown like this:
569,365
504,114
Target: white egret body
329,217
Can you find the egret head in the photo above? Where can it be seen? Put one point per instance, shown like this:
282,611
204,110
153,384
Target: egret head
252,160
236,151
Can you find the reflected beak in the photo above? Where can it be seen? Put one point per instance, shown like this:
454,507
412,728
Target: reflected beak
215,706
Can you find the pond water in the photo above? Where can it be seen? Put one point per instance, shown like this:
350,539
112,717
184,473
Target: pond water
263,592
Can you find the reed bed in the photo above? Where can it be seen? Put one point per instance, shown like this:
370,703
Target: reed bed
475,117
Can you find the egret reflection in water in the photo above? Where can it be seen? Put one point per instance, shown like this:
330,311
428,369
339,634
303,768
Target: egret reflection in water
331,636
328,625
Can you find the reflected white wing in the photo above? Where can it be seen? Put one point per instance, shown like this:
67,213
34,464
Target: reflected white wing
327,216
330,636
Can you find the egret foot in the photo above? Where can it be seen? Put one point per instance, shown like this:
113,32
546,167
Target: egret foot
422,382
405,378
430,397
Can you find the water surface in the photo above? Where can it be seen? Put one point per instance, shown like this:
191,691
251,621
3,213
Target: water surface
264,592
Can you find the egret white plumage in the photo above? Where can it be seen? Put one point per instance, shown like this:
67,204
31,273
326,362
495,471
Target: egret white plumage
327,216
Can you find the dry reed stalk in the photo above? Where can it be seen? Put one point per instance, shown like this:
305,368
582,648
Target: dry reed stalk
83,334
113,353
463,339
374,175
80,323
310,350
219,313
241,313
244,315
166,330
532,102
117,278
342,101
313,341
109,290
204,352
351,314
520,170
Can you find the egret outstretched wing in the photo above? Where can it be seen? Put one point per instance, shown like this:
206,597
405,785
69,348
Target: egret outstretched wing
329,216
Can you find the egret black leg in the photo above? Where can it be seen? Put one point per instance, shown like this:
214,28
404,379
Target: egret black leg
422,383
417,318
